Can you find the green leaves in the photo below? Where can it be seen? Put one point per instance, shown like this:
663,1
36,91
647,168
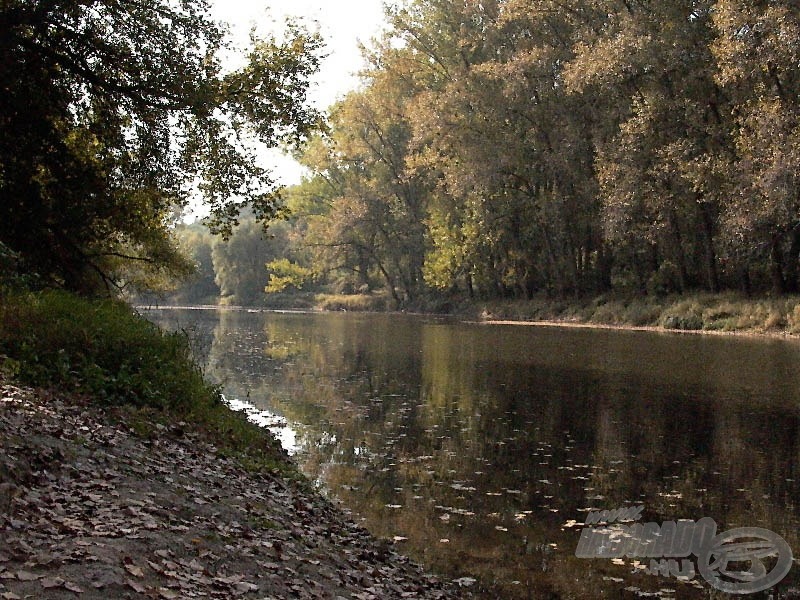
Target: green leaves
114,114
99,348
566,148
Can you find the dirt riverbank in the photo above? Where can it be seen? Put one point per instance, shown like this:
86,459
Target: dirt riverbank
90,510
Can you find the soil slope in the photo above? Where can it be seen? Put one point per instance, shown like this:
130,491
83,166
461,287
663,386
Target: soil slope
89,510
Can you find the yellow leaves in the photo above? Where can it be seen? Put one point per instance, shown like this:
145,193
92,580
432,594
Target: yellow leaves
606,61
754,44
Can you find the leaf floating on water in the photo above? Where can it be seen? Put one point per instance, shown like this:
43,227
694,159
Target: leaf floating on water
571,523
462,488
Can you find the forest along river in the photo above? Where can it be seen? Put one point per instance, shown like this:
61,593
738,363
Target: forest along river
478,448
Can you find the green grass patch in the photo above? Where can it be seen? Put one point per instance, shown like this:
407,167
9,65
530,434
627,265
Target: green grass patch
105,352
100,348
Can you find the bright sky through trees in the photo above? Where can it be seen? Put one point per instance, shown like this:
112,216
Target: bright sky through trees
343,25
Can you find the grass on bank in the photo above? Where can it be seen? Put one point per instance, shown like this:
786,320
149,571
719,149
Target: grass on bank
103,351
728,312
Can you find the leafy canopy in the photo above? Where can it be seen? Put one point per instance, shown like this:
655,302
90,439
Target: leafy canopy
114,113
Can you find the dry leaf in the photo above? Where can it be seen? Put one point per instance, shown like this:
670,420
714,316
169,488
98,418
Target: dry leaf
73,587
51,582
136,586
134,570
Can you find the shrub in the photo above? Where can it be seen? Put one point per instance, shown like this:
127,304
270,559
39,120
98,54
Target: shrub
116,357
101,348
352,302
794,318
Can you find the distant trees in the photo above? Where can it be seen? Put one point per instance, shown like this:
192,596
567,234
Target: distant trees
518,147
197,243
571,147
240,262
113,113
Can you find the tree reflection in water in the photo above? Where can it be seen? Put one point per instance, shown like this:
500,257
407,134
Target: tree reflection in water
478,447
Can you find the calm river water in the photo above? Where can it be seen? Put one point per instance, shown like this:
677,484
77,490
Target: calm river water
478,447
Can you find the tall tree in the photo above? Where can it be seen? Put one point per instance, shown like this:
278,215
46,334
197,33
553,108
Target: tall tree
757,49
653,59
112,111
570,147
239,262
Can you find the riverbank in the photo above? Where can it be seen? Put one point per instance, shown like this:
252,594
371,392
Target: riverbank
90,508
124,474
724,313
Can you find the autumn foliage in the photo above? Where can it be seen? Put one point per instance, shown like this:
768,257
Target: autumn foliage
507,149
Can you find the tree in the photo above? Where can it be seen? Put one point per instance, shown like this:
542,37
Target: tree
113,111
757,50
197,243
370,231
239,262
652,59
515,207
567,147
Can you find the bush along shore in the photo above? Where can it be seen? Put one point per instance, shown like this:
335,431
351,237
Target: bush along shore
728,312
123,474
701,312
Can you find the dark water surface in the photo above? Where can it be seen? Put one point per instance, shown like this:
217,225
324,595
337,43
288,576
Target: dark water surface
477,447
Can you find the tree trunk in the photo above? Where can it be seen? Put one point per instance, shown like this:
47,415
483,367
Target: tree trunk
747,286
776,266
677,238
470,287
605,265
791,277
710,254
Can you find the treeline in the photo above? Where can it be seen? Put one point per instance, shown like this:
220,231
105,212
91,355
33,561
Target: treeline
571,147
227,271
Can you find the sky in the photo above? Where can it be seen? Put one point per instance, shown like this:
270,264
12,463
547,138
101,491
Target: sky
342,23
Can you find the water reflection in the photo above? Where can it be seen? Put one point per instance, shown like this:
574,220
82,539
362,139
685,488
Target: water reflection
477,447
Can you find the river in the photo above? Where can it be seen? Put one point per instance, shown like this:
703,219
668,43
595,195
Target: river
480,448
